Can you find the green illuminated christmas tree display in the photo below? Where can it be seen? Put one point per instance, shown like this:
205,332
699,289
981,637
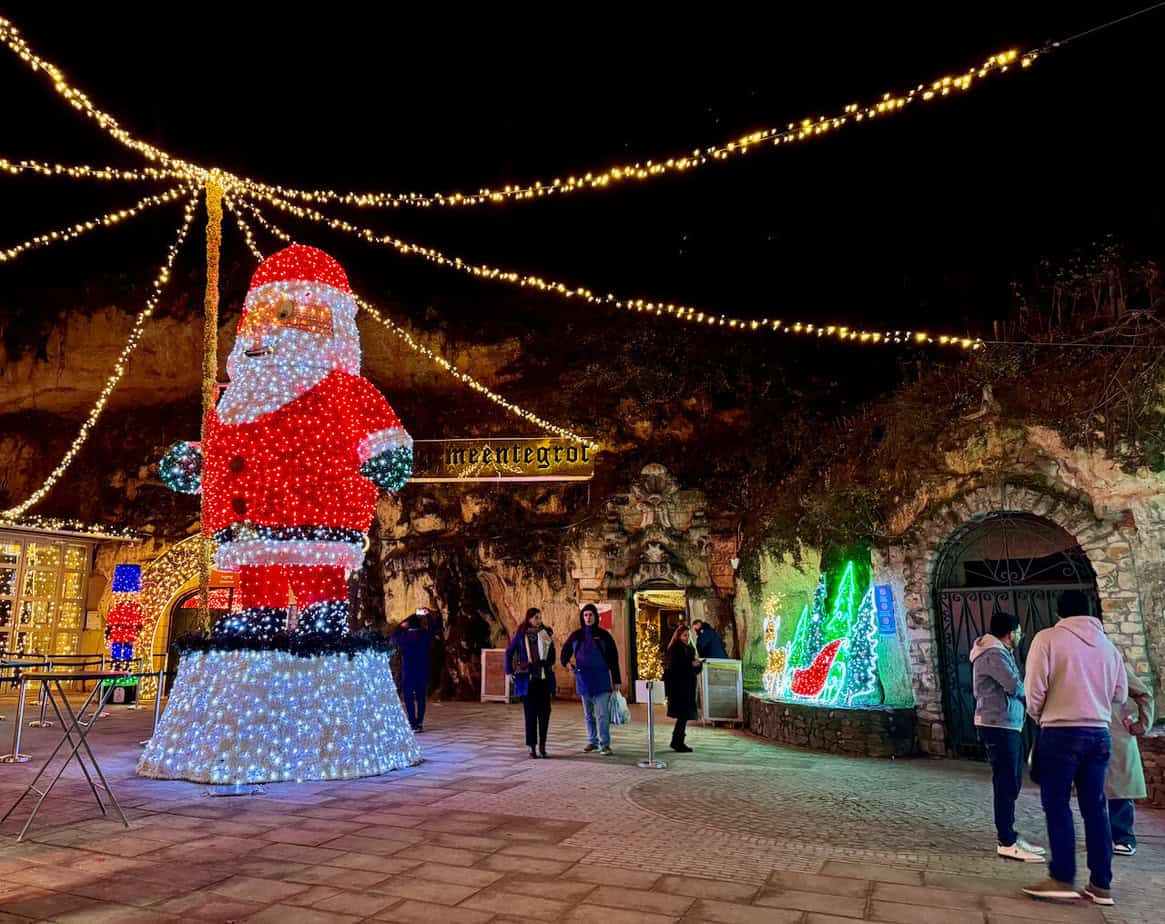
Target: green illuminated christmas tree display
832,658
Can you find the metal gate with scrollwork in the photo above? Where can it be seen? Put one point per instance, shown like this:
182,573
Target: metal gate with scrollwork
1015,562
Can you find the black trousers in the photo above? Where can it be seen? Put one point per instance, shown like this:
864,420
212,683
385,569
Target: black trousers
677,734
537,706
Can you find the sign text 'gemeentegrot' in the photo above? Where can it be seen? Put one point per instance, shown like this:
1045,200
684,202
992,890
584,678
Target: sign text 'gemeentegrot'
513,459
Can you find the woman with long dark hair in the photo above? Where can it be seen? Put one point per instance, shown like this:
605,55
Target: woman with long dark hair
530,659
679,683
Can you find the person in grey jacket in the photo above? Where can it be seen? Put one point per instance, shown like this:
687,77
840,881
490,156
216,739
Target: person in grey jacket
999,717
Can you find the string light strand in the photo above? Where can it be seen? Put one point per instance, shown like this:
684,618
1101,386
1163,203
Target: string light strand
84,227
86,172
683,313
119,367
806,129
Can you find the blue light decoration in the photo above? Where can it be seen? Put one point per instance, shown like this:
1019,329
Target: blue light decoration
127,579
832,658
269,716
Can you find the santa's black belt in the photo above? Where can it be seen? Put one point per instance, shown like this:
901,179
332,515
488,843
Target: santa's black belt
248,532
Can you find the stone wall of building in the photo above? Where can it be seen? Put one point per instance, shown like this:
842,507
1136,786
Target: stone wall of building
1153,756
875,732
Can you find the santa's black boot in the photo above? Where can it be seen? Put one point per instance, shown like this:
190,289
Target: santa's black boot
327,619
253,624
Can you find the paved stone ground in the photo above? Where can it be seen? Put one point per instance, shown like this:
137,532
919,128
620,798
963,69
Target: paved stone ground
741,831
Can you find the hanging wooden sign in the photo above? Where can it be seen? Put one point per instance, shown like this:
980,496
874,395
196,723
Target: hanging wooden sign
502,459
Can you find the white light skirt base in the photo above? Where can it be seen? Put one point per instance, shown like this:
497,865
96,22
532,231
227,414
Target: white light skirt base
269,716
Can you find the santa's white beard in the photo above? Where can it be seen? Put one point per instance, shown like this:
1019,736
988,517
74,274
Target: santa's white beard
298,361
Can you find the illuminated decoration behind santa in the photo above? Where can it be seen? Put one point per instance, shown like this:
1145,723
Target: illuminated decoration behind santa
295,453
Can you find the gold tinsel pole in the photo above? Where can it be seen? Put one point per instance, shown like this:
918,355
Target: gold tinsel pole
209,364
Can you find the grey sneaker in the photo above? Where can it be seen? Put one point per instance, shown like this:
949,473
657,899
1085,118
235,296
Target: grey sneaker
606,752
1098,895
1124,850
1051,888
1016,852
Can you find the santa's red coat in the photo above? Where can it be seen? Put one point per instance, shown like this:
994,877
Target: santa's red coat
299,465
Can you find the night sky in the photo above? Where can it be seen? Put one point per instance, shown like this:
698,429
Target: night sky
918,220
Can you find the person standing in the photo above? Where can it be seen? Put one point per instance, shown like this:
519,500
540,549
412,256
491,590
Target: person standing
413,637
1074,677
679,684
596,675
530,659
1126,775
708,641
999,717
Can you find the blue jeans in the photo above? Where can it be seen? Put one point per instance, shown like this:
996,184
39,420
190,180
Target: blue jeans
1076,755
598,729
414,690
1120,817
1005,752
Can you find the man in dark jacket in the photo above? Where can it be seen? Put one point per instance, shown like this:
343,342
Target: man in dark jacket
999,716
412,638
708,642
596,675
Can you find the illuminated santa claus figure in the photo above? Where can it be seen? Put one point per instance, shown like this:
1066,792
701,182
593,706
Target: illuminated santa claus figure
296,452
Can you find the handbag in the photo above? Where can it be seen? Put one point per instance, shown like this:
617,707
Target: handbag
619,710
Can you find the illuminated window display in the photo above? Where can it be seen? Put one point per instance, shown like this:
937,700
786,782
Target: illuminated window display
43,580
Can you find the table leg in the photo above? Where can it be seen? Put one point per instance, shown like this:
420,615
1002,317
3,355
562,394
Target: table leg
16,757
42,722
68,736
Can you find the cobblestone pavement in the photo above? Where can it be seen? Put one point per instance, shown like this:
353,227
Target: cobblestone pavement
740,831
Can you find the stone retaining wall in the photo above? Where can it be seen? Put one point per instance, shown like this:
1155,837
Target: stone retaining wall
1153,757
876,732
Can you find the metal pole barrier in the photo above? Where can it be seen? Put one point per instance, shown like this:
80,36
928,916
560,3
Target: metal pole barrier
651,763
16,757
161,680
42,722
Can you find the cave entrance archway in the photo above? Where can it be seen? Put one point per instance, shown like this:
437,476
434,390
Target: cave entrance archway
657,609
1012,561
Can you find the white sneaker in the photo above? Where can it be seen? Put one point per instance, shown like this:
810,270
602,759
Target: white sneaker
1030,848
1016,852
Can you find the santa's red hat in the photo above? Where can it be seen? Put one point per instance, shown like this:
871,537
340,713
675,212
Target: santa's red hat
300,272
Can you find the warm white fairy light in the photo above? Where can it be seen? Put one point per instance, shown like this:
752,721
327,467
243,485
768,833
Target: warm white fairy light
269,716
84,227
600,179
67,525
419,347
119,366
683,313
86,172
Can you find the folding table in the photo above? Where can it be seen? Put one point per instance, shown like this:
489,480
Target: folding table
71,722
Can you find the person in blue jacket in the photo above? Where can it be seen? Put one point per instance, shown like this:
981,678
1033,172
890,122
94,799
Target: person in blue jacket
412,638
596,675
707,639
530,660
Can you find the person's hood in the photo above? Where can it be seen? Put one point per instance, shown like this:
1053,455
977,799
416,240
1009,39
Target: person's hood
984,643
1085,628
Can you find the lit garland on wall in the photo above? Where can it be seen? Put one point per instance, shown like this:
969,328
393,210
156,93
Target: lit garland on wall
682,313
119,367
84,172
65,525
600,179
832,659
84,227
269,716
